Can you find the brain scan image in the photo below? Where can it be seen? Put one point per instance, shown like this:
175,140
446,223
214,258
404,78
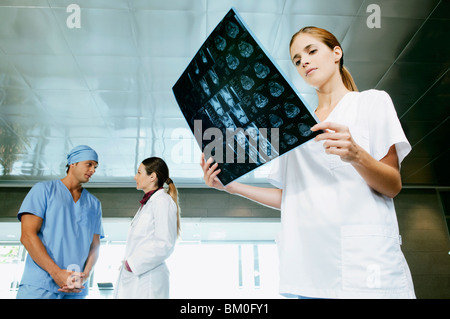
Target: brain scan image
247,82
275,120
305,130
261,70
291,110
289,139
220,43
232,61
232,29
245,48
275,89
260,100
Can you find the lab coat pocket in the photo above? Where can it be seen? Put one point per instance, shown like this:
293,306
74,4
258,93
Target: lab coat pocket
372,259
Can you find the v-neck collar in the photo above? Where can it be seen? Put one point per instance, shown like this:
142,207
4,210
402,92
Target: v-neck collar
70,194
337,105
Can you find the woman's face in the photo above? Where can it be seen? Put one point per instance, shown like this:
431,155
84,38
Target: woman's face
143,181
315,62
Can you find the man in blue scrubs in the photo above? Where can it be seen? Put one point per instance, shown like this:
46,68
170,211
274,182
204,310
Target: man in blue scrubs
61,230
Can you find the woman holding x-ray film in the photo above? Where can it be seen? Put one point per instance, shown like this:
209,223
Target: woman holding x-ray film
339,235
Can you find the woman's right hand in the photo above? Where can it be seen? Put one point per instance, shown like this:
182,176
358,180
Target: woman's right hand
210,173
266,196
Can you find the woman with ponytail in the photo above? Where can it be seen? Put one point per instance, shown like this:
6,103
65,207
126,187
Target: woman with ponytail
152,235
339,236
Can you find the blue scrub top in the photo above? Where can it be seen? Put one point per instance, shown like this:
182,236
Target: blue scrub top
67,229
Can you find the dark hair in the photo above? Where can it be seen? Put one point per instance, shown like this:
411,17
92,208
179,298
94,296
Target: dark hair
159,167
330,41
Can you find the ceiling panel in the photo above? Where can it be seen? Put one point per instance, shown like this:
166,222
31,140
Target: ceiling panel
382,44
49,71
30,30
433,105
102,32
417,9
410,80
173,33
323,7
108,84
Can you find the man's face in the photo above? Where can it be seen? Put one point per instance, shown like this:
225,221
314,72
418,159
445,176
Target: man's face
84,170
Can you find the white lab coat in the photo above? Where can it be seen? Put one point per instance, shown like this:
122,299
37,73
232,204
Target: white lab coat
151,240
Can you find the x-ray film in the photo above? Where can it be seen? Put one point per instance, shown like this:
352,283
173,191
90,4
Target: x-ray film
240,107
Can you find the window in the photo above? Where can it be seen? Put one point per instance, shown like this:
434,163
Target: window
229,266
12,258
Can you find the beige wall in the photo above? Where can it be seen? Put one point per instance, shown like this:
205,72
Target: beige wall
421,216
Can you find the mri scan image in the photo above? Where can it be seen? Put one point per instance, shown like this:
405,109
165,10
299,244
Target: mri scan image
276,89
232,85
291,110
247,82
231,29
260,100
233,61
220,42
246,49
261,70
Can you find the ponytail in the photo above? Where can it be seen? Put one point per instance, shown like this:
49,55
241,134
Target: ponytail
173,192
347,79
157,165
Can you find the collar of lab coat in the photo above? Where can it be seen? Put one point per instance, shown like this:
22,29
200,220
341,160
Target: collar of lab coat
147,196
156,194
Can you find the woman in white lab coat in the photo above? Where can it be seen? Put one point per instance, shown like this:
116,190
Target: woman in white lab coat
152,235
339,235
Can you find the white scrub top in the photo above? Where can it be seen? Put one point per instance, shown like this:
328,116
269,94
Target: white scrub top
339,238
67,230
151,240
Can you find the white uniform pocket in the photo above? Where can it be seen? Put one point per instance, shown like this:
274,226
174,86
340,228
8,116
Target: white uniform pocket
372,259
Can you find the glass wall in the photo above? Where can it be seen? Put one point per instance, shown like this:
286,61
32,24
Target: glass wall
230,266
12,257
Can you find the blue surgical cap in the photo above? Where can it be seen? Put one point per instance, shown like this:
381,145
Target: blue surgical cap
81,153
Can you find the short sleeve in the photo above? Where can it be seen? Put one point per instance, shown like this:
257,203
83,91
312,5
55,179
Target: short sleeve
385,128
35,202
99,225
277,172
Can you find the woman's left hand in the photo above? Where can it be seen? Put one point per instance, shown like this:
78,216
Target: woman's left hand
337,140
